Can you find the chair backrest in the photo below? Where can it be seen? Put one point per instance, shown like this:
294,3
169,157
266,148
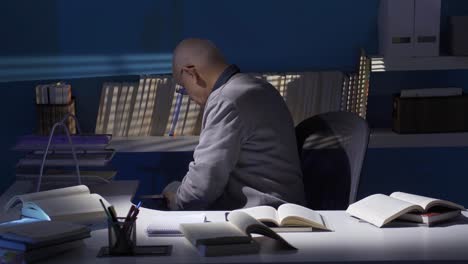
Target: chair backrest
332,147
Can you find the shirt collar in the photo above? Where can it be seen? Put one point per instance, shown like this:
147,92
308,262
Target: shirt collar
230,71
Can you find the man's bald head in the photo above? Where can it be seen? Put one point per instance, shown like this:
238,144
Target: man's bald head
201,53
196,65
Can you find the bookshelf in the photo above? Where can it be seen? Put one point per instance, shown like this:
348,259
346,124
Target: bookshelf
382,64
379,138
154,143
386,138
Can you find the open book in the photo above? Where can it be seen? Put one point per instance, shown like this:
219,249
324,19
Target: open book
72,204
288,217
229,238
380,209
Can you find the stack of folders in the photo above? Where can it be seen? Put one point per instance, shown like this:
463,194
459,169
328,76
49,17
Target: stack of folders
91,151
26,242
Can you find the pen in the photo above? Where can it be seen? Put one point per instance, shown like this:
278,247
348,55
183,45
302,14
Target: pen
105,210
113,213
109,217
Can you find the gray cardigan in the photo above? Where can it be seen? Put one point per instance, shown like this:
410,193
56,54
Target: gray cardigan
247,154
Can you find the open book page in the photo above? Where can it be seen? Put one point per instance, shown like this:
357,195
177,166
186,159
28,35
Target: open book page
263,214
379,209
214,233
296,215
79,208
250,225
79,189
425,202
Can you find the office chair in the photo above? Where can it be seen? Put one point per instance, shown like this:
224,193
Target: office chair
332,147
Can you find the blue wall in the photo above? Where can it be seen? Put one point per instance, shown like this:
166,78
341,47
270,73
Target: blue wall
89,42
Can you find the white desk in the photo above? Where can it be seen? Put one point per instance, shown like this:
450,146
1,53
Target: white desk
352,241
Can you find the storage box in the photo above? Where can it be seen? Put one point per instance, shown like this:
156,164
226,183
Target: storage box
396,28
430,114
409,28
426,28
459,35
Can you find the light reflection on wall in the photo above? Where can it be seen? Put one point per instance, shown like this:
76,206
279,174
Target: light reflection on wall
78,66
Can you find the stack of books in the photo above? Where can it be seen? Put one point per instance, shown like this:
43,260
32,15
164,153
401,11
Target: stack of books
91,151
25,242
381,210
230,238
234,237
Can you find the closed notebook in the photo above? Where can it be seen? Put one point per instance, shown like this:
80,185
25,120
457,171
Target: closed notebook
34,255
288,218
25,236
229,238
170,225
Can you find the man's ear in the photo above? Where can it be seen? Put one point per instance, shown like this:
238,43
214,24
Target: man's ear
193,72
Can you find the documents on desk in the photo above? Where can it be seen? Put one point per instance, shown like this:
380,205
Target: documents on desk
380,209
230,238
72,204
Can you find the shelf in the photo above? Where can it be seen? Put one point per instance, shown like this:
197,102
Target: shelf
386,138
381,64
379,138
154,144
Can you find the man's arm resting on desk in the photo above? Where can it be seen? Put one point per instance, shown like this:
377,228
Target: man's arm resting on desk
214,159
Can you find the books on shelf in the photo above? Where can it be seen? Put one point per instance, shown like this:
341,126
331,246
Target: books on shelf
288,218
54,93
229,238
32,241
380,209
53,102
71,204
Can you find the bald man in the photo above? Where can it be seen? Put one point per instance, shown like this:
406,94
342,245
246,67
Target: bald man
247,154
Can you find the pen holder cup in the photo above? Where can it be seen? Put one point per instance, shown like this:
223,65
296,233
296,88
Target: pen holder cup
122,237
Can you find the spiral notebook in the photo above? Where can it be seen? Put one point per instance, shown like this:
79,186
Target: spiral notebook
170,225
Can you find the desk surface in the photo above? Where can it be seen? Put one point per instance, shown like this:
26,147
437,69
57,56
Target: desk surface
352,241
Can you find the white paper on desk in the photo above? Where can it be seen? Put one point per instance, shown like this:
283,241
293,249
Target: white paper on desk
169,225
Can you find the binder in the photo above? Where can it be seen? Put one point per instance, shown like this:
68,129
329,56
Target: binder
426,27
396,28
